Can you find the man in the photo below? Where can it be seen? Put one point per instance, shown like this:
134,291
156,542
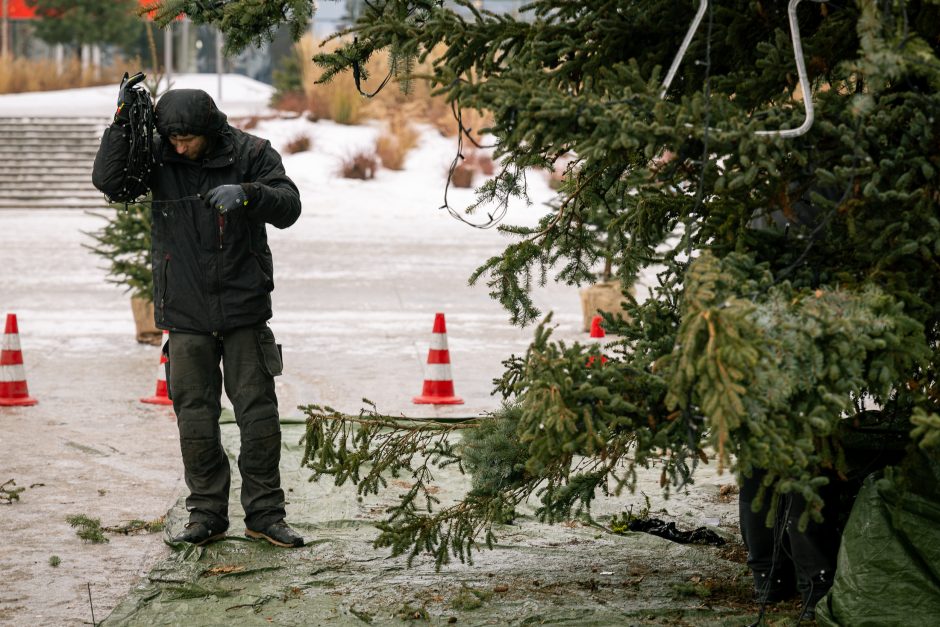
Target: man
213,188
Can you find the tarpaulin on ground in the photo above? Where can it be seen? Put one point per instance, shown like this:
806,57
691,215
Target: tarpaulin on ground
888,569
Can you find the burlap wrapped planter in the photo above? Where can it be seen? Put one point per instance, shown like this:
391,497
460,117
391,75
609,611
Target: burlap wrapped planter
147,331
606,297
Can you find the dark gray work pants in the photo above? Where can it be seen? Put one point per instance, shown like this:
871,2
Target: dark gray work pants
251,360
781,555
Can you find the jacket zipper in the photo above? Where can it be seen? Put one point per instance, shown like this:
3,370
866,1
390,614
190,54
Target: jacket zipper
166,265
221,222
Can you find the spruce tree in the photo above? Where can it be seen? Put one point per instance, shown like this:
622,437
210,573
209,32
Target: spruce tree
797,276
125,243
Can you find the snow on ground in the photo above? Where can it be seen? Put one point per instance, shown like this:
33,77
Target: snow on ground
241,96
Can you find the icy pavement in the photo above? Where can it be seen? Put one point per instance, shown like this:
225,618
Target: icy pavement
536,574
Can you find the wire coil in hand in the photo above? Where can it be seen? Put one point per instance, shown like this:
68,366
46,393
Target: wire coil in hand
140,158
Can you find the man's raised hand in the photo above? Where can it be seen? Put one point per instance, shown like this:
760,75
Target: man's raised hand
124,95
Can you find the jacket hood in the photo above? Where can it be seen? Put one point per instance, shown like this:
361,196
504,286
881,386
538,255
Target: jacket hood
188,112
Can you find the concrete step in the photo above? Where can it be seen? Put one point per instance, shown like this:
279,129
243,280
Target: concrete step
51,171
52,166
81,173
64,171
34,160
58,137
43,160
12,134
7,139
70,134
42,186
52,203
14,150
54,122
55,138
31,194
23,184
41,166
92,195
52,129
12,158
18,189
46,163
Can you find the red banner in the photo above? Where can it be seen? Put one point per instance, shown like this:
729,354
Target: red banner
19,10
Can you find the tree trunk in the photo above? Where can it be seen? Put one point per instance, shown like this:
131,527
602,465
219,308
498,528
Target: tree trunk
96,61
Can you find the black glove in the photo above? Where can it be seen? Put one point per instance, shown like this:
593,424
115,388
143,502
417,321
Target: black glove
225,198
124,95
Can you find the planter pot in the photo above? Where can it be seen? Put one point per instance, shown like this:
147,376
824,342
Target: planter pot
147,331
604,297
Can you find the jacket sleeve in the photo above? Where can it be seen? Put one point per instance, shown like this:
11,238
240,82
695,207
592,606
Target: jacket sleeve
272,196
110,170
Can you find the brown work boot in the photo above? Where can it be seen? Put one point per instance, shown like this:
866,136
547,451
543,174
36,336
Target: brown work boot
278,534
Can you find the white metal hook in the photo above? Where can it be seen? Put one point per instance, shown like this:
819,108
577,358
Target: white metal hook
703,4
797,53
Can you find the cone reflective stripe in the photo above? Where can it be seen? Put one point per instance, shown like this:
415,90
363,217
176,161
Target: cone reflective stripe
160,397
13,389
438,383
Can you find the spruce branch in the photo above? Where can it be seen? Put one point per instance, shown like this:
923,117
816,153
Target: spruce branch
9,492
367,448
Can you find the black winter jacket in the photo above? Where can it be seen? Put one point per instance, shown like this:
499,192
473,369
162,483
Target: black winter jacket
210,273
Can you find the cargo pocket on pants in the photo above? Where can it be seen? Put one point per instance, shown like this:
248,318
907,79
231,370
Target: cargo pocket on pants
271,358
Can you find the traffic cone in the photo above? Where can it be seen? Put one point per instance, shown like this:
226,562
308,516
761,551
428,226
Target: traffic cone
438,383
160,397
597,331
13,390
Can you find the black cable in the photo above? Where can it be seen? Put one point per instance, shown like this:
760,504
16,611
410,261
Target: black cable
140,159
493,218
780,528
168,202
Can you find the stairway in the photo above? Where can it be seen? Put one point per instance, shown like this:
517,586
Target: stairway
45,162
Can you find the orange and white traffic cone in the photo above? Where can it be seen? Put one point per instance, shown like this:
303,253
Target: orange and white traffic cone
438,384
597,331
160,397
13,389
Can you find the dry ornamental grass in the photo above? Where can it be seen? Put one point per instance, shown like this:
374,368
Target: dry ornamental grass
23,75
393,146
462,176
339,100
300,143
362,166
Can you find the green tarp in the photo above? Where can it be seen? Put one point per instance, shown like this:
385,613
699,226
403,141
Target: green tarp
888,569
